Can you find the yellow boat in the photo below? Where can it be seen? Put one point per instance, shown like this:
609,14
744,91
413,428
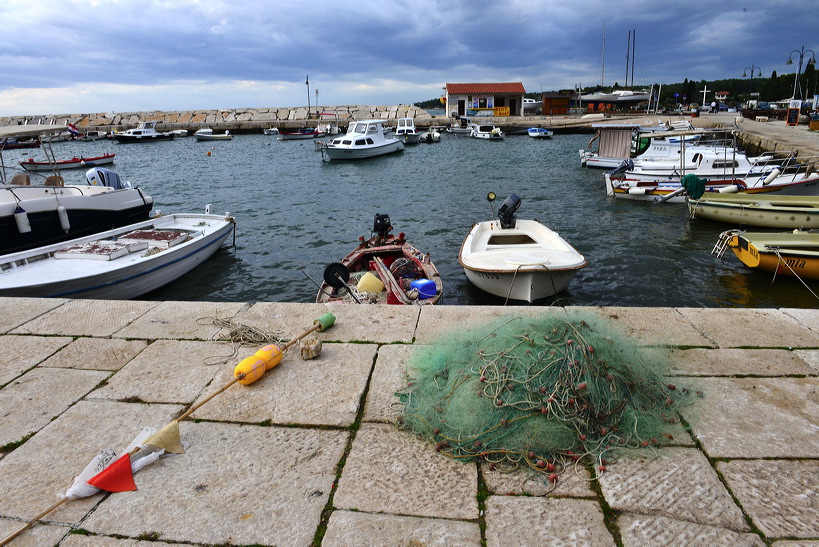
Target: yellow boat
793,253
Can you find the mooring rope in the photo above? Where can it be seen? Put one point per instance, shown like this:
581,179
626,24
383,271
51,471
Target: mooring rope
239,334
796,275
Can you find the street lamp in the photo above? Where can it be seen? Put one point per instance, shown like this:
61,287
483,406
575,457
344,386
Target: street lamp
752,68
811,61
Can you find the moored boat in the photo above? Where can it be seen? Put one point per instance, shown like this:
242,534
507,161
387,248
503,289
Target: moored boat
518,259
301,133
487,132
364,139
384,269
73,163
144,132
207,134
795,253
119,264
763,210
406,131
539,133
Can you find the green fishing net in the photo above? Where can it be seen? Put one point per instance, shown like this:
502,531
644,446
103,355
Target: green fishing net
543,392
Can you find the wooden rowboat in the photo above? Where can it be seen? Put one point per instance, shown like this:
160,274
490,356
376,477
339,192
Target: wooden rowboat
765,210
383,269
794,254
73,163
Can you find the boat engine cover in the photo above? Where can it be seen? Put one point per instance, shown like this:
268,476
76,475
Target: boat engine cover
100,176
506,213
381,225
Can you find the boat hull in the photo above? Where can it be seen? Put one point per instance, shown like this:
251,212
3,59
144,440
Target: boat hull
528,262
75,163
794,254
356,153
131,276
128,139
767,211
89,209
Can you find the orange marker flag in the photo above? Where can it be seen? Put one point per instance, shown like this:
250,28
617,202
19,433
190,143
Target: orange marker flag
117,477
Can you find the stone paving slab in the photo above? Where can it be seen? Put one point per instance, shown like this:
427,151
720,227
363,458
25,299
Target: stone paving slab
17,311
739,362
326,390
354,323
30,402
639,530
573,482
676,483
235,484
763,328
96,354
36,473
392,471
758,417
35,537
515,520
100,318
443,319
20,353
388,377
779,496
811,357
808,317
652,326
182,320
368,530
167,371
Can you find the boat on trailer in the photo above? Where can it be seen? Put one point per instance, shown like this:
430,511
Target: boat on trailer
518,259
382,269
118,264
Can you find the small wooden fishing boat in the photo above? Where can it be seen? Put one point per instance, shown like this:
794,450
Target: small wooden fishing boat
764,210
383,269
518,259
73,163
119,264
207,134
539,133
794,254
301,133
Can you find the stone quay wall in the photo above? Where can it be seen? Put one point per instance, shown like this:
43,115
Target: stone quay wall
237,120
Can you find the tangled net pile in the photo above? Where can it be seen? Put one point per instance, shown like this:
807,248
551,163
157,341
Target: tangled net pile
544,392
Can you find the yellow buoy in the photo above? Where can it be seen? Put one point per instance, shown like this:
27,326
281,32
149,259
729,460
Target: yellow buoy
252,367
271,355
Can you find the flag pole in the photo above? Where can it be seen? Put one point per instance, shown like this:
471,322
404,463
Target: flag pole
256,365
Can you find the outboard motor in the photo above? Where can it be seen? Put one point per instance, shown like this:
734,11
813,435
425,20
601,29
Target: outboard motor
626,165
100,176
382,226
506,213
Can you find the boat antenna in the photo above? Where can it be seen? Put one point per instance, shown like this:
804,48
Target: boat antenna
490,197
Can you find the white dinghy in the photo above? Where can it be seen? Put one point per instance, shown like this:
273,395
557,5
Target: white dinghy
119,264
518,259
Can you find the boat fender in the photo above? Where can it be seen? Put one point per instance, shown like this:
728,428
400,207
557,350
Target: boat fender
637,191
254,367
62,214
21,218
730,189
771,176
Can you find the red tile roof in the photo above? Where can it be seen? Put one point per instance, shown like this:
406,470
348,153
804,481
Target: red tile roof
511,87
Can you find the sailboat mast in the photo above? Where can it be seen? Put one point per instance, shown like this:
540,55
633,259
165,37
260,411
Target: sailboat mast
628,58
633,50
603,55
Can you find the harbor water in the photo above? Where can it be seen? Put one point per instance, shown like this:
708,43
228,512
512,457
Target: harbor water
296,214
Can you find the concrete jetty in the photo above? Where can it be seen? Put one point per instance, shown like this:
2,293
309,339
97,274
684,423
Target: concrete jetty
310,453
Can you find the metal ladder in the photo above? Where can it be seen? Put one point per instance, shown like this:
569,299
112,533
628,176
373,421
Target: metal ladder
722,243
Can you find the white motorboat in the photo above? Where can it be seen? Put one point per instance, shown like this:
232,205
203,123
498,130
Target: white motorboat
518,259
364,139
406,132
119,264
531,106
487,132
271,131
462,126
179,133
539,133
207,134
618,142
431,135
143,132
37,210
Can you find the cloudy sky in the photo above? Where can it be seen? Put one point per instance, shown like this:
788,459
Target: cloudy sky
75,56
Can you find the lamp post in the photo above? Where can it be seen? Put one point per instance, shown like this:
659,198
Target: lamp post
752,68
812,61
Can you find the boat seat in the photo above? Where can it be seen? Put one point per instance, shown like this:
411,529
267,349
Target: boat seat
53,180
20,179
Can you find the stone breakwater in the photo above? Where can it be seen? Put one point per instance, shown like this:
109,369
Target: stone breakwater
238,120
